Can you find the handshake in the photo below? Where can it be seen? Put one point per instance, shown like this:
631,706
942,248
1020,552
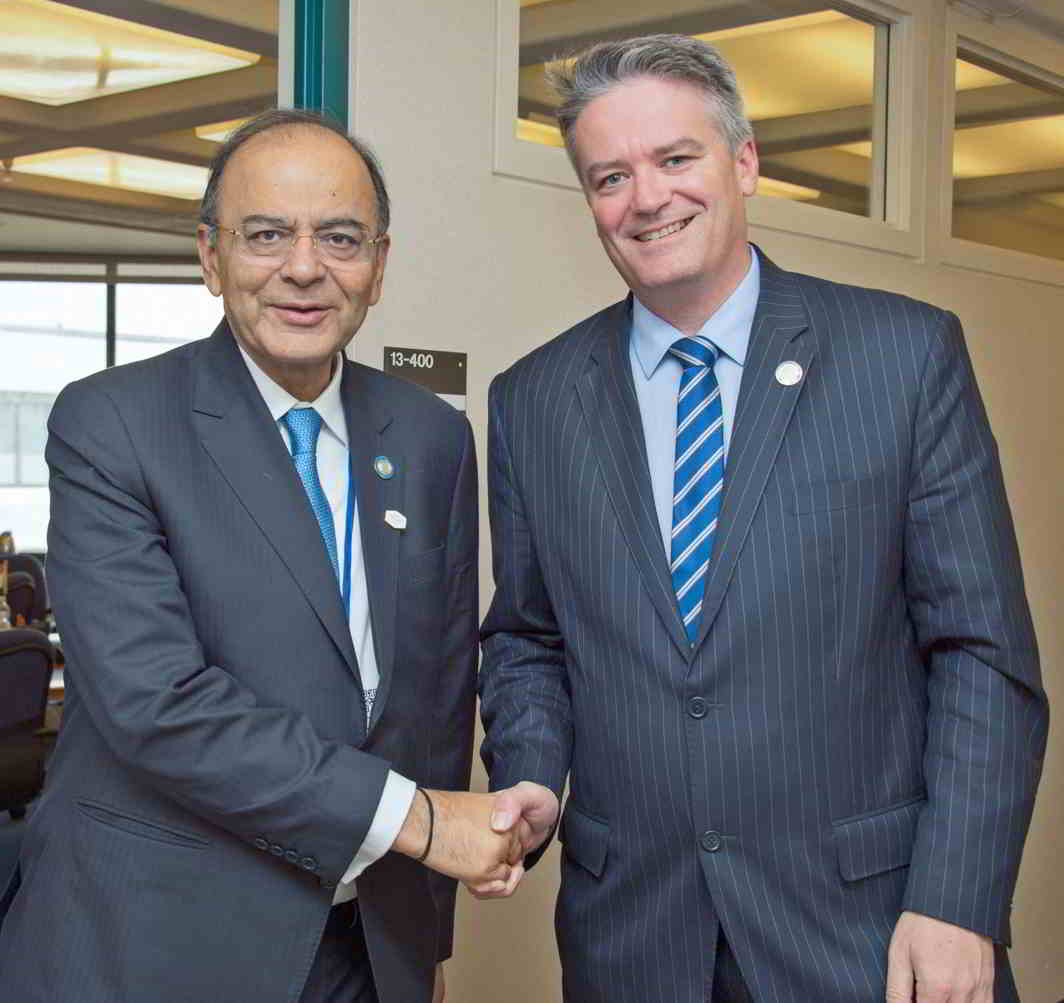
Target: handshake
480,839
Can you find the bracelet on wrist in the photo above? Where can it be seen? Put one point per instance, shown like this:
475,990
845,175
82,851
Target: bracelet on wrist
432,825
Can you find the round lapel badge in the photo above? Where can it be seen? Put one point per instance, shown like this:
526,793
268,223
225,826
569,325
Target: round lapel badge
788,374
384,468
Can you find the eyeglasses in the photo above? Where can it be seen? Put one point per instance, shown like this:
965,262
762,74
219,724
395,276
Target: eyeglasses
337,246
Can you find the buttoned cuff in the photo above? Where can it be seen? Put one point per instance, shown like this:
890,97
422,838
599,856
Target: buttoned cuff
392,809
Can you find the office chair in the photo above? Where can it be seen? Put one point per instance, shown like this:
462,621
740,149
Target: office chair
21,598
26,659
39,615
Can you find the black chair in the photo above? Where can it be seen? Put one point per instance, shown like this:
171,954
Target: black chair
21,598
40,613
26,659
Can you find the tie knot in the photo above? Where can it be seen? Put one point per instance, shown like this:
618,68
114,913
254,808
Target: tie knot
303,424
694,352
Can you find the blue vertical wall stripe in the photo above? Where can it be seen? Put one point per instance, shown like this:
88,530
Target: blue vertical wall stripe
321,56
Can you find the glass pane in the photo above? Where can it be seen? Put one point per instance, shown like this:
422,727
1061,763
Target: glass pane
52,333
1008,160
155,318
122,109
809,81
7,443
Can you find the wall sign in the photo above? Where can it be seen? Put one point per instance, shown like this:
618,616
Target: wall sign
444,373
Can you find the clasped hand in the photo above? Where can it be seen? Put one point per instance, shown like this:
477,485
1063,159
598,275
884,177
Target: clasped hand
480,839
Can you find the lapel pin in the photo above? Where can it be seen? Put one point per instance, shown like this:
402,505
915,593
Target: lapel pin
788,373
384,468
395,519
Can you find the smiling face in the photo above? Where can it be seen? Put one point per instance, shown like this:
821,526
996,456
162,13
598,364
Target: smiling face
293,314
667,195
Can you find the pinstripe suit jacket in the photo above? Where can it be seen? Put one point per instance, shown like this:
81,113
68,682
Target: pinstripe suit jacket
214,773
859,727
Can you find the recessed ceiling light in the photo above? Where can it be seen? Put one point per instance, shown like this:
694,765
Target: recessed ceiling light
54,54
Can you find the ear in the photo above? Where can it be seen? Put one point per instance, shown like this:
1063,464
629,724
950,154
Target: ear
746,168
208,256
381,253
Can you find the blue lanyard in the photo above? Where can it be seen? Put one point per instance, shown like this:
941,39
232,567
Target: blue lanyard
345,588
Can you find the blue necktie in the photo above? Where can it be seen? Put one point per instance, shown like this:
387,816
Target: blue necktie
698,477
304,424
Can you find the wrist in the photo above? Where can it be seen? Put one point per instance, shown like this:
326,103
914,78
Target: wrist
413,837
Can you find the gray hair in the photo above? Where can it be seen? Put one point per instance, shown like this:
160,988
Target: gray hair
600,68
279,118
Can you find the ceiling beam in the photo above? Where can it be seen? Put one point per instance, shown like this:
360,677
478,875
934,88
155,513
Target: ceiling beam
1006,103
54,198
816,130
17,115
169,108
813,130
554,31
1001,187
183,22
178,147
830,171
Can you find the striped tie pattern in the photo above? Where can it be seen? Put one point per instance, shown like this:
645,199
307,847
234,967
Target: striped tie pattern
698,477
304,424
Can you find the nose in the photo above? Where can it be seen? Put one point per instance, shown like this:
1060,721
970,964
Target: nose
650,192
303,264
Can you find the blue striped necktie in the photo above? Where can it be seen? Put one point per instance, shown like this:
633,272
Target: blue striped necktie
698,475
304,424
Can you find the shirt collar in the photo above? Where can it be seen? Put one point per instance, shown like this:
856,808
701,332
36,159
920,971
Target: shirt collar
728,329
279,401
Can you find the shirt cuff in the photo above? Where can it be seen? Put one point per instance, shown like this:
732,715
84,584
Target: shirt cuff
392,809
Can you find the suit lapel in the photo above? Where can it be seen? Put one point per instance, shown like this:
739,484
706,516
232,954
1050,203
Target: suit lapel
764,412
371,432
241,438
607,395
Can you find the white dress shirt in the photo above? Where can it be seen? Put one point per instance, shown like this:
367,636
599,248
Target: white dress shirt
333,472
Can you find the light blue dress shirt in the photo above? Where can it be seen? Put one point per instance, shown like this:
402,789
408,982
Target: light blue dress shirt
657,374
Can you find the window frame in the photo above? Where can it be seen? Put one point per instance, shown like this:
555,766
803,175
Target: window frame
901,232
93,269
1029,55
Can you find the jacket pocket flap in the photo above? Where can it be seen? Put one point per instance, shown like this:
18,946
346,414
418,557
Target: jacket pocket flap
138,826
424,567
881,841
585,838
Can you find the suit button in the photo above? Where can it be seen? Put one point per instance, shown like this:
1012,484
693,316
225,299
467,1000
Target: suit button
260,844
696,707
291,856
276,849
711,841
308,864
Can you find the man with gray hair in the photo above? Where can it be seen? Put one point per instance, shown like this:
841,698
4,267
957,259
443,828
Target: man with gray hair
758,598
263,559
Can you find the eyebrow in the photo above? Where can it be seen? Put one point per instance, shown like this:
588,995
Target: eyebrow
683,143
284,223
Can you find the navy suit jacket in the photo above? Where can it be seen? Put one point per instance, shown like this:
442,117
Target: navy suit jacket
214,774
859,727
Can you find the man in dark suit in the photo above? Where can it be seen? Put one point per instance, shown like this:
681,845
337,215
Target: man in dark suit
264,567
758,598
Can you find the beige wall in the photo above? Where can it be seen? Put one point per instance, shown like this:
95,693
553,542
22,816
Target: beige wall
493,266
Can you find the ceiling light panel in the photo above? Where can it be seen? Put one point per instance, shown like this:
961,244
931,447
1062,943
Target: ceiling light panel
117,170
53,54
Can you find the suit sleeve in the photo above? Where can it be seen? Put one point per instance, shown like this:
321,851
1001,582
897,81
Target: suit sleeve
987,716
524,689
187,728
451,756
